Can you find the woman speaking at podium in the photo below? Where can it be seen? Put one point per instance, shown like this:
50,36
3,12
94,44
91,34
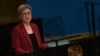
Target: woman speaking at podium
26,39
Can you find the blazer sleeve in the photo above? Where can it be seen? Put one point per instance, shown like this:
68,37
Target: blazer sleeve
41,44
16,42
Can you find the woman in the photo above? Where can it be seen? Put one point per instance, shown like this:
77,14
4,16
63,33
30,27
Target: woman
26,37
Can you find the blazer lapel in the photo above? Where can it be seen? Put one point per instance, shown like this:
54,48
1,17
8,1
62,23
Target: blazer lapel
24,32
35,32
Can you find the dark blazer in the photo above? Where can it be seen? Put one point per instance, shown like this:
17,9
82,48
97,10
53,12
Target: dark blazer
21,42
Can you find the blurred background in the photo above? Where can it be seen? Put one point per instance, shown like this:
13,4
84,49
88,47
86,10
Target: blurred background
63,23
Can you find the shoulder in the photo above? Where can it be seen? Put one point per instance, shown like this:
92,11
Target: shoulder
17,27
33,25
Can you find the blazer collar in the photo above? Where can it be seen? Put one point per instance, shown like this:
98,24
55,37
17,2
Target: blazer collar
24,32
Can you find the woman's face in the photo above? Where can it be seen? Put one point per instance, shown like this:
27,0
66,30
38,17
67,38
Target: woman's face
26,15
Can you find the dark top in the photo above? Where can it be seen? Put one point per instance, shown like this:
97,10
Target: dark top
35,46
34,41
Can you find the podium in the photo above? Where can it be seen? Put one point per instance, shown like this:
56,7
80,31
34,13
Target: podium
55,43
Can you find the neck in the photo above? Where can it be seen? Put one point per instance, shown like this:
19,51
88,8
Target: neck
26,23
